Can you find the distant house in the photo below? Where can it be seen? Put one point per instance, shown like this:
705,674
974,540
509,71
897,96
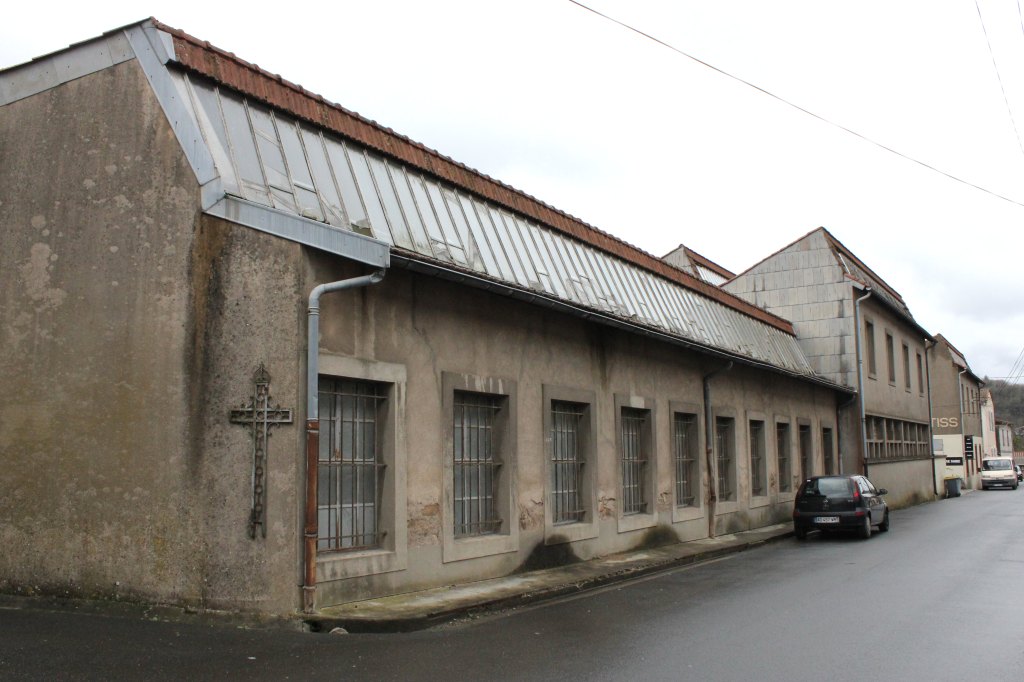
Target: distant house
1004,437
263,354
697,265
857,331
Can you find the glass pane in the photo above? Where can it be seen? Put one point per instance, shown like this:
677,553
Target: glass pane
305,192
371,200
482,257
211,122
450,239
386,192
243,148
270,149
323,179
347,186
410,210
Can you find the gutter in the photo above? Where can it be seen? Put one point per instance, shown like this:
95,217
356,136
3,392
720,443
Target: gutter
860,379
311,530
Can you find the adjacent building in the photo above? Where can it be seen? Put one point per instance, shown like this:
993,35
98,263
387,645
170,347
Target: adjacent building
697,265
956,411
857,331
263,354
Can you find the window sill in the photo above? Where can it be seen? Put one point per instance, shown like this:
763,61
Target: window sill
342,565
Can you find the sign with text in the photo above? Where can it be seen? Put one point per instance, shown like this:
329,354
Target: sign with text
968,446
954,461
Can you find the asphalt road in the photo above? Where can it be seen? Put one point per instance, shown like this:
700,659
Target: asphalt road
939,597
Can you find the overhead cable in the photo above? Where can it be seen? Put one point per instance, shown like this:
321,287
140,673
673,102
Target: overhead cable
797,106
1009,110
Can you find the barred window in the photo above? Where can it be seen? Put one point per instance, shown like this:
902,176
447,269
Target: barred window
634,460
351,468
567,461
725,457
684,445
782,450
806,451
828,451
893,439
476,463
758,478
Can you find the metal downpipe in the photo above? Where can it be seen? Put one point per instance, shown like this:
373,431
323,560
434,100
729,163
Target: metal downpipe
709,448
310,532
860,381
931,434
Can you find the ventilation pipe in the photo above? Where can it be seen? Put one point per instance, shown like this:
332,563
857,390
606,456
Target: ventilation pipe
860,378
313,425
709,449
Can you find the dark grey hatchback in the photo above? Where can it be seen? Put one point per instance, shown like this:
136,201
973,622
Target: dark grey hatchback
849,503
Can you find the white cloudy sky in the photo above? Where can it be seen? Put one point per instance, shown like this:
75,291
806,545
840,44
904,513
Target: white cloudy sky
659,150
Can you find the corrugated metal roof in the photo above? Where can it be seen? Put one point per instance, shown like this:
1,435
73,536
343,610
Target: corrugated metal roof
278,145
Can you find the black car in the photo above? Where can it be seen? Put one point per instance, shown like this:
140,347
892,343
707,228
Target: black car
848,503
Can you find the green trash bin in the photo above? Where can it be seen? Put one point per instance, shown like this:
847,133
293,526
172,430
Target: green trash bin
952,487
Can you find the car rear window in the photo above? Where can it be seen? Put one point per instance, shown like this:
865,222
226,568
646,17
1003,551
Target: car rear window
829,487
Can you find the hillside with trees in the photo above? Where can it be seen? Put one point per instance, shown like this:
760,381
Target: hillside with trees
1009,400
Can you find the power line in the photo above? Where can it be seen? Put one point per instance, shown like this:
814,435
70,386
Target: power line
796,106
1013,121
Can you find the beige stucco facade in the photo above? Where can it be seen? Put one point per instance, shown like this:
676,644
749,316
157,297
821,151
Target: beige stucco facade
134,323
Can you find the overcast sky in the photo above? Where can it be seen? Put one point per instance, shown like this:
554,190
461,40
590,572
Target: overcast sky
659,150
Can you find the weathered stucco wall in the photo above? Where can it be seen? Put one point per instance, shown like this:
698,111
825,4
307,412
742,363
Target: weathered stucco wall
97,214
130,328
433,328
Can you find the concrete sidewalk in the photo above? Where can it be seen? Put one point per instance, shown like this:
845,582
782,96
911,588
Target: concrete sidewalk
417,610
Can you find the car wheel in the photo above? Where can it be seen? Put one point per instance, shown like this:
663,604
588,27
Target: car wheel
884,525
865,530
800,532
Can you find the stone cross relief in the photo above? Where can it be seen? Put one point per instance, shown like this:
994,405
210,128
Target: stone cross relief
260,417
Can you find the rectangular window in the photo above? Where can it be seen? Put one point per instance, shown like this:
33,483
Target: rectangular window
684,446
906,367
782,452
635,456
476,463
869,347
725,458
758,477
806,451
890,356
351,468
920,375
827,451
567,461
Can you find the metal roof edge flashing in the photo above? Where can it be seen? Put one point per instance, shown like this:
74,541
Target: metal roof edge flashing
439,270
295,228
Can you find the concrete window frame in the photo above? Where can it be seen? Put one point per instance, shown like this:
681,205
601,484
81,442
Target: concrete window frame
392,555
506,539
828,459
890,356
589,527
869,350
648,517
805,446
761,469
726,418
786,488
697,511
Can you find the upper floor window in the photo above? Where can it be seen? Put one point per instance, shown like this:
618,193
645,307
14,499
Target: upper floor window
906,367
869,348
890,356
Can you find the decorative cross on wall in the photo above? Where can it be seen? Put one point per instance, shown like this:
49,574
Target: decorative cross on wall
260,418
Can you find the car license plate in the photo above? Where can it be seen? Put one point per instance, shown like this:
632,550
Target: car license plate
826,519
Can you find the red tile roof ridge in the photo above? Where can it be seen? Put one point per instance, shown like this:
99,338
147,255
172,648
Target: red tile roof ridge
459,175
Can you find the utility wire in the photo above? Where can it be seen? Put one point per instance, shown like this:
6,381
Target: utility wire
796,106
988,41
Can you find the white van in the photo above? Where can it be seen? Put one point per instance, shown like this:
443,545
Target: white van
998,471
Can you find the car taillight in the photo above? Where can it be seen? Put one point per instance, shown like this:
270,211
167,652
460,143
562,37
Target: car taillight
856,494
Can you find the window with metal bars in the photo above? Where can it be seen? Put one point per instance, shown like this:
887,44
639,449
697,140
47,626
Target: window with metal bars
567,461
806,451
782,454
725,458
828,451
634,459
476,463
758,462
351,468
684,446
